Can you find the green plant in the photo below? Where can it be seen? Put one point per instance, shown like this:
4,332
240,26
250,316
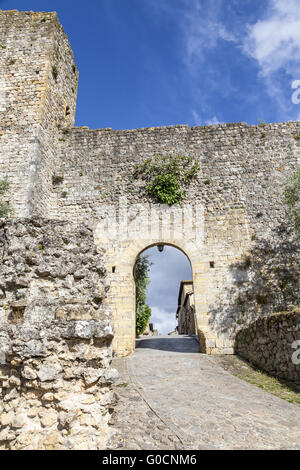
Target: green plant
141,276
54,73
166,188
143,314
74,68
292,200
166,176
4,206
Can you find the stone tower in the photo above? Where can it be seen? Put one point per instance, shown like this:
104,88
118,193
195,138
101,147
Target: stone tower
38,88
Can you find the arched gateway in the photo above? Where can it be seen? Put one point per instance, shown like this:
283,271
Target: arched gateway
182,227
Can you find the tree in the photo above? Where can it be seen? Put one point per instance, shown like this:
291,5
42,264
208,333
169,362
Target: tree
143,311
292,200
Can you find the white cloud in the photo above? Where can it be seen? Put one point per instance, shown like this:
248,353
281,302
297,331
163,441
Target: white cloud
213,120
163,321
202,30
275,41
197,118
207,122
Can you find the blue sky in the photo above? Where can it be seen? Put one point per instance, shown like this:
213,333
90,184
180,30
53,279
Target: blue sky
145,63
161,62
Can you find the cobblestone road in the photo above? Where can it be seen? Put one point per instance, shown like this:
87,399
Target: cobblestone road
172,397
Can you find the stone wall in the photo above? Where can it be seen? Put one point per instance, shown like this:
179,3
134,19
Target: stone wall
232,209
55,338
38,88
265,280
241,166
239,188
185,315
271,344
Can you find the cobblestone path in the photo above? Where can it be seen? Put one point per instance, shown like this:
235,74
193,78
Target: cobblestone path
172,397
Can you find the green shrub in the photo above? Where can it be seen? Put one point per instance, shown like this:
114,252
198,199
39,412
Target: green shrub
141,276
166,175
143,314
166,188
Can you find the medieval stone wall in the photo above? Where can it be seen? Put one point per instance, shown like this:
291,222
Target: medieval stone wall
241,166
273,344
243,172
38,88
55,338
232,210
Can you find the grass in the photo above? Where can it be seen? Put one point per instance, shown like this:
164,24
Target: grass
125,384
242,369
280,388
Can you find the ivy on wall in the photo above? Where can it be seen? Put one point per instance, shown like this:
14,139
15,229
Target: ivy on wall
166,176
4,206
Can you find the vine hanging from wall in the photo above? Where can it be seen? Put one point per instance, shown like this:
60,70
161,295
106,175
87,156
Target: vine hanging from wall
166,176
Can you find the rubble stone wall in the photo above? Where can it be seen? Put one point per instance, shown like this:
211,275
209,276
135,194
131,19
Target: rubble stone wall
273,344
55,338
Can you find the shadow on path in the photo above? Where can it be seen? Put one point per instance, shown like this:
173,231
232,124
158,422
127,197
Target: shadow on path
179,344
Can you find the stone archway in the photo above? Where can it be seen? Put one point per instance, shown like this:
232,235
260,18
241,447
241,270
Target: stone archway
168,268
120,266
211,242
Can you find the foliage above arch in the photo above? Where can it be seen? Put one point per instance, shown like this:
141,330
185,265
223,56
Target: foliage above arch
166,176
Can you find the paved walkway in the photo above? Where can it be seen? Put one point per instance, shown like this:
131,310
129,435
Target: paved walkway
176,398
